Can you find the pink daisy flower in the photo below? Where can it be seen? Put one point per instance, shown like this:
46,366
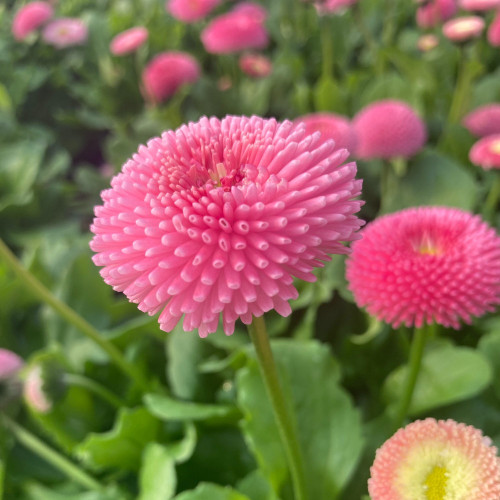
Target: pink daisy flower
331,126
65,32
426,265
462,29
190,11
30,17
435,12
427,42
166,72
486,152
240,29
388,129
218,216
255,65
484,120
436,459
479,5
494,31
128,41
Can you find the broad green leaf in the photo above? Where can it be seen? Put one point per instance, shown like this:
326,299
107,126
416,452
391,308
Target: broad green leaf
157,477
183,449
256,487
207,491
328,425
167,408
36,491
489,346
123,445
448,374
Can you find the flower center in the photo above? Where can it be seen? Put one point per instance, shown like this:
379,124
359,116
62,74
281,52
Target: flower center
495,147
221,177
427,246
435,483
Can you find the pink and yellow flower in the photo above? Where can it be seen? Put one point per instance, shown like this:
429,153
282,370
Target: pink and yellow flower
65,32
484,120
486,152
255,65
462,29
128,41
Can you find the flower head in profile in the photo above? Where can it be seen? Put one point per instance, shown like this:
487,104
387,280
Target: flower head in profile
30,17
10,384
484,120
462,29
486,152
434,12
190,11
218,216
255,65
426,265
479,5
65,32
388,129
128,41
425,43
166,73
331,126
436,460
494,31
240,29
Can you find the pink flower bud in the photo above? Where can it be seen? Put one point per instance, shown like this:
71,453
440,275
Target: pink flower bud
128,41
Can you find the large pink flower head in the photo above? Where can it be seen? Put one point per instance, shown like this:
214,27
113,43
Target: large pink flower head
435,12
190,11
462,29
128,41
494,31
479,5
242,28
486,152
65,32
426,265
388,129
484,120
436,460
30,17
331,126
166,72
219,215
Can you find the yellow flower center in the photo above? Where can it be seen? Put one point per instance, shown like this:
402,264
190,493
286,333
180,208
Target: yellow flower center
435,483
495,147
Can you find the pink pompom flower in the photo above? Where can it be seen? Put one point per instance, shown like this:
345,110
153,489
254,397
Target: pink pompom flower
128,41
484,120
331,126
333,6
30,17
486,152
388,129
479,5
218,216
436,459
166,73
65,32
240,29
435,12
190,11
427,42
462,29
256,65
494,31
426,265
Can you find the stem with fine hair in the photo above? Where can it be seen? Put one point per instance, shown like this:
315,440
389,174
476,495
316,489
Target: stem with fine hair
89,384
71,316
284,421
53,457
326,47
415,362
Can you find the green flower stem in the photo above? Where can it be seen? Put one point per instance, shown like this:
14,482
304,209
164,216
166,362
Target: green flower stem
51,456
97,389
492,200
71,316
415,362
462,88
286,426
326,46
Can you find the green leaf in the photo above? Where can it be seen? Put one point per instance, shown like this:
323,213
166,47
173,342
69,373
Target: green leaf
489,346
207,491
183,449
157,476
123,445
328,96
329,426
35,491
256,487
448,374
167,408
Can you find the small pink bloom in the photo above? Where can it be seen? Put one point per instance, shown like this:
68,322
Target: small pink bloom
128,41
494,31
34,391
436,459
166,72
331,126
190,11
462,29
484,120
427,42
218,217
30,17
254,10
435,12
255,65
388,129
10,383
65,32
240,29
479,5
426,265
486,152
333,6
10,364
